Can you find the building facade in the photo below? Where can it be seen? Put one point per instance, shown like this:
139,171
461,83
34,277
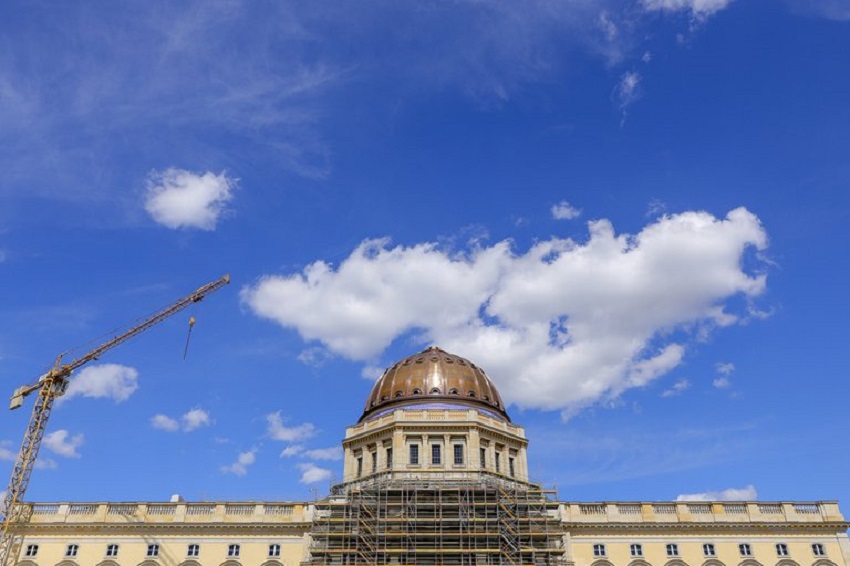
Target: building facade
435,473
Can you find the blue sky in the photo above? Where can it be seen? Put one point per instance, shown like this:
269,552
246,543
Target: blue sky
633,214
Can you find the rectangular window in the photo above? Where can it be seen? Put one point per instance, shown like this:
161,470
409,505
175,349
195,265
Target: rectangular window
636,550
374,456
781,549
389,458
153,550
511,466
233,551
71,551
818,550
599,550
32,550
708,550
414,454
436,456
458,448
112,550
359,466
745,550
482,454
193,550
672,550
498,462
274,550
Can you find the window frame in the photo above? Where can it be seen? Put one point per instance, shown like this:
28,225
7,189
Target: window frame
708,549
458,454
744,549
818,549
152,551
274,550
482,454
436,454
233,550
71,550
31,551
112,550
672,549
193,550
599,550
781,549
413,454
636,550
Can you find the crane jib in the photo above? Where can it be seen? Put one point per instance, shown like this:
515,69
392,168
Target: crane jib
51,385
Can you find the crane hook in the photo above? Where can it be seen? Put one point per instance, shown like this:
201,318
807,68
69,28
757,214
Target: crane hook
188,336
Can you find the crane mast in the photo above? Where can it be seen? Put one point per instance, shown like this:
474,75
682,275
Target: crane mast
50,386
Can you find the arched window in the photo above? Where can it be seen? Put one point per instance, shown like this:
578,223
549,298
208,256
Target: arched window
435,391
453,392
416,391
399,393
471,393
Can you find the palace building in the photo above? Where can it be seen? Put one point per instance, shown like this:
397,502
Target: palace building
435,474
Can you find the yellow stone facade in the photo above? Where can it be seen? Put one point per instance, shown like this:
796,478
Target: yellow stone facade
460,497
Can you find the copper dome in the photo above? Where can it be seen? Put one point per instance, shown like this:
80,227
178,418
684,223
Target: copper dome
434,378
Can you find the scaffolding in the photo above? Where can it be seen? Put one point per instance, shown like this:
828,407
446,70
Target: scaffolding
410,522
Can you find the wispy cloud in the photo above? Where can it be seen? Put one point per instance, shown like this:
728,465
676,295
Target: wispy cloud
277,431
332,453
292,450
104,381
732,494
571,324
678,388
62,443
182,199
627,92
697,8
243,461
6,452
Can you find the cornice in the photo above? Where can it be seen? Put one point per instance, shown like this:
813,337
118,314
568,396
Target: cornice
831,526
31,529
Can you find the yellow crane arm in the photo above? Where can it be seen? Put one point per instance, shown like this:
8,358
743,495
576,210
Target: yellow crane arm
50,386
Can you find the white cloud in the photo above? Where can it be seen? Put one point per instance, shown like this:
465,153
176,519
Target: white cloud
292,450
164,422
732,494
240,466
724,368
332,453
62,443
110,381
181,199
678,388
697,8
192,419
560,326
311,473
277,431
565,211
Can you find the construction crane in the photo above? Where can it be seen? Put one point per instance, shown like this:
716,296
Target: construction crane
50,386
